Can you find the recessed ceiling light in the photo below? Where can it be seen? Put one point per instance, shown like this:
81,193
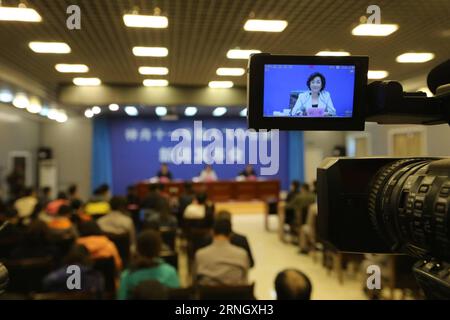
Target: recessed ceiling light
131,111
219,111
265,25
19,14
220,84
333,53
6,96
241,54
96,109
190,111
88,113
53,114
243,112
161,71
71,68
230,72
415,57
50,47
156,83
145,21
34,106
374,29
161,111
113,107
150,51
87,81
21,101
44,111
377,74
61,117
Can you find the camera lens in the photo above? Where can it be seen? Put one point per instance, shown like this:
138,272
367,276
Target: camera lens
409,205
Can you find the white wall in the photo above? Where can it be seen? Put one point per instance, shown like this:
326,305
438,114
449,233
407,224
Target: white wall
437,138
17,133
71,143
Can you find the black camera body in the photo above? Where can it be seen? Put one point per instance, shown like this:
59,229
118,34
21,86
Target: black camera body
398,205
365,205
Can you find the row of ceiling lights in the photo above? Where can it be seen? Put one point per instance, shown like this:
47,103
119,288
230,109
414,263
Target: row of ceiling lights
135,20
33,105
160,111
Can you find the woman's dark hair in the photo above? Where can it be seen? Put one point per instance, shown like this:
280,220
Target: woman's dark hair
89,228
315,75
72,190
65,210
149,245
78,255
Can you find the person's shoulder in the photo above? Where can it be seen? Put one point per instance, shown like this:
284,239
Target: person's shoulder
237,250
325,93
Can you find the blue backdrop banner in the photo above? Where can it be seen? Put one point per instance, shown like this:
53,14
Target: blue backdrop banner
139,145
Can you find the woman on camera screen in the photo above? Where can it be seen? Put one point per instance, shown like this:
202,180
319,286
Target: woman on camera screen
315,102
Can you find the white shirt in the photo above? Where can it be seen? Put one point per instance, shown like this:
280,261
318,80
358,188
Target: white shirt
303,105
208,176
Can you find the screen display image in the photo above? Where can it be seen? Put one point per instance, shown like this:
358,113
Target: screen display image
311,91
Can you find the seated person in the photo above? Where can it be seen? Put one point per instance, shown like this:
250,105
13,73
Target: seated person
221,263
35,242
235,238
207,175
117,221
98,205
72,194
154,200
99,245
147,265
315,102
248,173
294,189
61,225
26,203
53,206
301,202
162,217
45,196
292,284
90,280
164,174
308,230
200,210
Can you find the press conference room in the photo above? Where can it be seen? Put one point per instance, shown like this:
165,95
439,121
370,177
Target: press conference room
228,150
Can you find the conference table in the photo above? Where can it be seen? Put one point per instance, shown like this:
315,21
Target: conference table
221,191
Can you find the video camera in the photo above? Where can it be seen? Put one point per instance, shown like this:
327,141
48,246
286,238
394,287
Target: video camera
365,205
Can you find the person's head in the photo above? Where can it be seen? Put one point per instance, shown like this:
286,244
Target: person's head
72,190
222,228
131,190
164,168
316,82
76,204
150,290
65,211
249,169
89,228
208,168
149,244
28,192
153,187
78,255
201,197
62,195
118,204
46,191
37,232
295,186
305,188
223,215
102,191
292,284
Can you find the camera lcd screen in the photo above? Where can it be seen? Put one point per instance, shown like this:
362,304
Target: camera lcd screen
306,92
314,91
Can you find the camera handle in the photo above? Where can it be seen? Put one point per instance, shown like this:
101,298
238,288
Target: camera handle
433,277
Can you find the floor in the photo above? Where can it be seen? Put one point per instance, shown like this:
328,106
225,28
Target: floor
272,256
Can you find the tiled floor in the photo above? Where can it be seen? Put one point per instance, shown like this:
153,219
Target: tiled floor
272,256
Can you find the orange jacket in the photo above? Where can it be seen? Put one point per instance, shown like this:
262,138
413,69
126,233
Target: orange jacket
101,247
